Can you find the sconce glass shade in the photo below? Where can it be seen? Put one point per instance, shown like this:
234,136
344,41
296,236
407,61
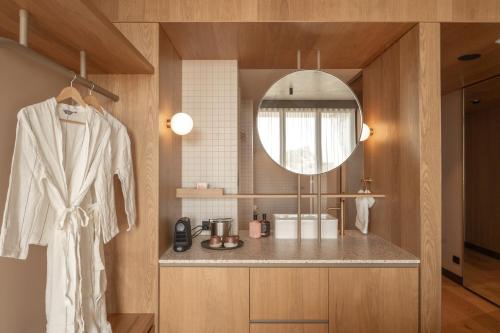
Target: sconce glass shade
181,123
366,132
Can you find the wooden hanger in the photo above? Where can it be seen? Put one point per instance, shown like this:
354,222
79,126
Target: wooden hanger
71,93
93,101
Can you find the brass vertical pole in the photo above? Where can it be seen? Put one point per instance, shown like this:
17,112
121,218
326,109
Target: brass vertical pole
299,213
319,207
342,216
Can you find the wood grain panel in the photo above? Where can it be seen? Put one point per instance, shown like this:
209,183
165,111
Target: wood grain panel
467,38
374,300
132,257
60,29
275,45
289,293
406,146
430,177
300,10
288,328
170,144
212,300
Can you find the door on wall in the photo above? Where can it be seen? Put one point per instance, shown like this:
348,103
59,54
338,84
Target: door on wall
481,270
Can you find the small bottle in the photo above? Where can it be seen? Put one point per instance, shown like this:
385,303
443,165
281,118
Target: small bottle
254,227
265,226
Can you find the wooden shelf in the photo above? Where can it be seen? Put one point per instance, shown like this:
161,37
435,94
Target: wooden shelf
132,322
61,29
218,193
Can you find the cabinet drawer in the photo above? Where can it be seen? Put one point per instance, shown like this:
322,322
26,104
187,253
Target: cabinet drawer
288,328
289,293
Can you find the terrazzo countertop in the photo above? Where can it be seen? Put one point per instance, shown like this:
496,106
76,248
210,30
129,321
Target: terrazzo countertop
352,250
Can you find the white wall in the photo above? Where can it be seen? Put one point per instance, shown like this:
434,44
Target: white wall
452,164
210,151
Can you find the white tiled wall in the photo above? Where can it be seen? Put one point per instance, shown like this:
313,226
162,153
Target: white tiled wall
210,151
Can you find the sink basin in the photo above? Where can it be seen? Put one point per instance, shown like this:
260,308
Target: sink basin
285,226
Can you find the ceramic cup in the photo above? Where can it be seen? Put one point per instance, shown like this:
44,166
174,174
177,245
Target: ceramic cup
231,241
215,241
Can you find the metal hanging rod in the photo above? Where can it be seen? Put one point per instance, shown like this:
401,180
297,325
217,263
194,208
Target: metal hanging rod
22,47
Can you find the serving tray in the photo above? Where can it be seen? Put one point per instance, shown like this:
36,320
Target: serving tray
205,245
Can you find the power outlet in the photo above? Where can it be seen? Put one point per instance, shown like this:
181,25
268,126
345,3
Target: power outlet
205,225
456,260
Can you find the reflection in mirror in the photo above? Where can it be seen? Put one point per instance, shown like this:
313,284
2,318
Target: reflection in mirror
481,269
309,122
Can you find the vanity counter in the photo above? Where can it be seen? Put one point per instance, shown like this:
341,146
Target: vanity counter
352,250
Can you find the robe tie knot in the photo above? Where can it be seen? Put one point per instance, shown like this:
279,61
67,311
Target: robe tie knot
76,212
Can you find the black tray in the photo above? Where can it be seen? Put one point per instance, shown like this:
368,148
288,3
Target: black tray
204,244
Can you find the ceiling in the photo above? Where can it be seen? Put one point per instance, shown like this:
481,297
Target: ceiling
309,85
486,92
467,38
275,45
255,82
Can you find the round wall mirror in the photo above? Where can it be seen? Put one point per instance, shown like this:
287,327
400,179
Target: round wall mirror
309,122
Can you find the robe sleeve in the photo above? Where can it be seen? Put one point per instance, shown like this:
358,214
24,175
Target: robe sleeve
123,167
24,194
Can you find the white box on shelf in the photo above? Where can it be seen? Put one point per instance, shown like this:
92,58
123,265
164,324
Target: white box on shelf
285,226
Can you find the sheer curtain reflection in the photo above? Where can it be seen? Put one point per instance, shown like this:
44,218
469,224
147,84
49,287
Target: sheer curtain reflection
338,137
314,141
300,146
268,124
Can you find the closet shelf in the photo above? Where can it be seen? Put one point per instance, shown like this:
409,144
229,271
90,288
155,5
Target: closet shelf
218,193
61,29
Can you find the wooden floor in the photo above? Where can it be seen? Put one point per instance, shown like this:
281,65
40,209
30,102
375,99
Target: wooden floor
482,274
464,311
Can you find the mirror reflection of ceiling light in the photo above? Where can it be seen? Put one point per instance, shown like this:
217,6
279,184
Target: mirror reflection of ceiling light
366,132
181,123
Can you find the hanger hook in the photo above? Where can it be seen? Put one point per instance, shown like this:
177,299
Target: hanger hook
74,78
92,89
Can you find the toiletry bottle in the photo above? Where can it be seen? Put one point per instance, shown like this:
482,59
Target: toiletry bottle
254,227
265,226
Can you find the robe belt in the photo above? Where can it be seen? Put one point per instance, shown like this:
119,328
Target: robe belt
71,220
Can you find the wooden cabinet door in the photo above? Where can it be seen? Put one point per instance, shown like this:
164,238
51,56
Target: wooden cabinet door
289,293
288,328
208,299
373,300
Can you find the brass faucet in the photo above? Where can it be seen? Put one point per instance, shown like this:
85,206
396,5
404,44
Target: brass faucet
342,209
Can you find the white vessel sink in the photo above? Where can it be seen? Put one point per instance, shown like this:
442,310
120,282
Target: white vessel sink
285,226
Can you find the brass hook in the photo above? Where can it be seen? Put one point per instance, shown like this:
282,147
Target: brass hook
74,78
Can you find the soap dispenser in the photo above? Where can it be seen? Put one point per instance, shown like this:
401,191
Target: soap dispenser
254,227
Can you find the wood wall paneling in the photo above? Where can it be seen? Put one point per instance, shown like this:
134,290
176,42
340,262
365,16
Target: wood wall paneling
453,174
170,144
430,177
275,45
288,293
132,257
61,29
301,11
406,145
375,300
197,299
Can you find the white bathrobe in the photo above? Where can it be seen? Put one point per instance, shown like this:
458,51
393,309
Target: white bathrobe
60,195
